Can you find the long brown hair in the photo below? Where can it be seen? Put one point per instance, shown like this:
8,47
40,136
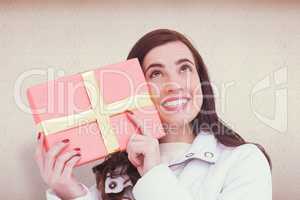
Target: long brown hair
207,119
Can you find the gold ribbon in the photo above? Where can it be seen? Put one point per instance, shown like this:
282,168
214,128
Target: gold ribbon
100,112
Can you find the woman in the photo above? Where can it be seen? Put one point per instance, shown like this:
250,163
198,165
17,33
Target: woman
199,158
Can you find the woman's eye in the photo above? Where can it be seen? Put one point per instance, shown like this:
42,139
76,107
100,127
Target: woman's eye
155,74
185,67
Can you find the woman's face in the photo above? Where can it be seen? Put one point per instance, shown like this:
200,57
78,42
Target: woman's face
174,82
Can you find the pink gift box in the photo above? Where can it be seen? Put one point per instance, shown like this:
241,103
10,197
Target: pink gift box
68,95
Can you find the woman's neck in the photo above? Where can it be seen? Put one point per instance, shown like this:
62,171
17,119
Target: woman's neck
176,133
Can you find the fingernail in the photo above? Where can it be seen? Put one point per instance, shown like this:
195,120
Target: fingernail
65,140
129,112
39,136
77,149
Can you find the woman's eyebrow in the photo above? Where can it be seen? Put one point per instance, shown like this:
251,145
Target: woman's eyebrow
153,65
183,60
161,65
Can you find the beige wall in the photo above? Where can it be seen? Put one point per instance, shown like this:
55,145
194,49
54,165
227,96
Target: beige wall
244,45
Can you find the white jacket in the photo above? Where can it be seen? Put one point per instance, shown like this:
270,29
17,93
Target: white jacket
208,171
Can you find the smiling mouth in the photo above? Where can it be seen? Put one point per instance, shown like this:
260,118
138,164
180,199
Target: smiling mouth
175,104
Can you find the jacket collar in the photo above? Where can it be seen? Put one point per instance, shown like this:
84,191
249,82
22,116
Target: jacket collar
204,147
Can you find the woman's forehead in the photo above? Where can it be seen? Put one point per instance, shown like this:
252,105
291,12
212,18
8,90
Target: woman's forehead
167,53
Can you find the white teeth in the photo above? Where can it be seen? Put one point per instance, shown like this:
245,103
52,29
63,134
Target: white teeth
175,102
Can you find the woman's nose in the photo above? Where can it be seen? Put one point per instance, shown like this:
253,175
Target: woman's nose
173,87
173,83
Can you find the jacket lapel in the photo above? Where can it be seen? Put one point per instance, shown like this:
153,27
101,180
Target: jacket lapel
204,147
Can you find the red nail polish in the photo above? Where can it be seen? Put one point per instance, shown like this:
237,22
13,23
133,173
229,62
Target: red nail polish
129,112
39,136
66,141
77,149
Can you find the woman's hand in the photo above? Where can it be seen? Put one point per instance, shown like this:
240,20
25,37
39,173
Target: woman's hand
56,170
143,150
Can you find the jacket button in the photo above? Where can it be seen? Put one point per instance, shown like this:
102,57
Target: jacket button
208,154
189,155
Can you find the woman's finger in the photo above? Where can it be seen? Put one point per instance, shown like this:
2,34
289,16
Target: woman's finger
135,151
133,155
52,153
138,138
135,161
140,170
137,122
40,152
130,152
61,160
67,171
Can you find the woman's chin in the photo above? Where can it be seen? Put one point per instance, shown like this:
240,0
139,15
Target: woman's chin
175,119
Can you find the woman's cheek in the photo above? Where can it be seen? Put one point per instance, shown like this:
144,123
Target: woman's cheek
198,98
155,93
